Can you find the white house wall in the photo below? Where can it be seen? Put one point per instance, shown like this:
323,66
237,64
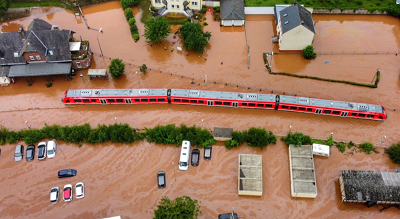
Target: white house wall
177,5
157,5
228,23
297,38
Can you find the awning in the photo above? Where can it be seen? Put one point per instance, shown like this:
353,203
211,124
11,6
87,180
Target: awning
74,46
40,69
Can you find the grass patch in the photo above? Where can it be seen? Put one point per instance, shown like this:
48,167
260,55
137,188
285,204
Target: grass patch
42,4
146,13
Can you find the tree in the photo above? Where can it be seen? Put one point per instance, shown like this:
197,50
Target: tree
116,68
309,53
394,152
4,5
143,68
129,3
180,208
157,29
194,36
259,137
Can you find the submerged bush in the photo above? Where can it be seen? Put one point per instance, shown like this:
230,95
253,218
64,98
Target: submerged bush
259,137
297,139
394,152
309,53
368,147
341,146
128,13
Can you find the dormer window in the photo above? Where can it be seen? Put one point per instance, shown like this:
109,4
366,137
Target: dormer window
51,52
286,22
32,58
15,54
285,15
38,57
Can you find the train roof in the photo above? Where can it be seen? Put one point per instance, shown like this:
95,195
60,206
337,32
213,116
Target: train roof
115,92
222,95
331,104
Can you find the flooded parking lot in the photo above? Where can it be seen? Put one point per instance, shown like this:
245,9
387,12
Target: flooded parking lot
118,177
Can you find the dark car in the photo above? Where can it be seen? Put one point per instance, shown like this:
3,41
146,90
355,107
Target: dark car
161,179
195,157
66,173
228,216
207,152
30,152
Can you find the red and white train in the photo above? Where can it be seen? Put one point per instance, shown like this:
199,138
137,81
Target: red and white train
226,99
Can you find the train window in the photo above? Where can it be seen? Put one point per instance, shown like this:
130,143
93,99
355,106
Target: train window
336,112
361,115
93,100
309,109
161,99
67,101
252,104
380,117
201,101
327,111
293,107
370,116
145,100
111,100
302,108
227,103
244,104
185,100
153,99
268,105
285,107
218,102
137,100
119,100
353,114
193,101
177,100
77,100
86,100
260,105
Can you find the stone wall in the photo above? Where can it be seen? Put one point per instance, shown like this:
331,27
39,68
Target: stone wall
346,11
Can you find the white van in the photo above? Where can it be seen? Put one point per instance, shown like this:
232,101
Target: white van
184,159
51,148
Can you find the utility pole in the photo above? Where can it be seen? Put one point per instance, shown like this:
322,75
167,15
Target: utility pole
100,31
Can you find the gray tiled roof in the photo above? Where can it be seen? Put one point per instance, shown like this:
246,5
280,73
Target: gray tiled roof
10,43
39,69
232,9
39,24
294,16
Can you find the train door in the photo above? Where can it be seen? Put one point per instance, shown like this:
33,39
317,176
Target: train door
210,103
344,114
103,101
128,101
235,104
318,111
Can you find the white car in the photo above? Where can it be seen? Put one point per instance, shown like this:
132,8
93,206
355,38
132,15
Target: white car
67,193
51,148
42,150
54,193
79,190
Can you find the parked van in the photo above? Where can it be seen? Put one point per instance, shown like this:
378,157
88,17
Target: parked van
51,148
184,159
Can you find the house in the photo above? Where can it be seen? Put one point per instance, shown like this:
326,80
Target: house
295,28
173,7
41,50
232,12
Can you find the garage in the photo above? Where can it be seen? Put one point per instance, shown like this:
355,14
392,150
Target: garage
227,23
237,23
232,12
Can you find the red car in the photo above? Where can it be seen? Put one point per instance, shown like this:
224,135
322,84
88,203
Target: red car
67,193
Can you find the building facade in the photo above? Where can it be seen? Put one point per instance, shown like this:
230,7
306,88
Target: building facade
173,7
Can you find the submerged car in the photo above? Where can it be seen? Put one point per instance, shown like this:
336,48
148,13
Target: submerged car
67,173
79,190
42,150
30,152
54,193
161,179
67,193
207,152
195,157
19,153
51,148
228,216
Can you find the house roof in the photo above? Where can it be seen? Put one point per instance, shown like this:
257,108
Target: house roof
54,44
40,69
294,16
232,9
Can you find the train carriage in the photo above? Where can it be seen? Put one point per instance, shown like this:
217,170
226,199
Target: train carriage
227,99
115,96
331,107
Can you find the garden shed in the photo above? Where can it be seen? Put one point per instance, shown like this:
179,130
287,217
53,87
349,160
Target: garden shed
232,12
93,73
222,134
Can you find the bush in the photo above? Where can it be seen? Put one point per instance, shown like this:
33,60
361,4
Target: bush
31,136
217,9
132,21
350,144
205,23
12,137
129,3
297,139
368,147
259,137
394,153
134,29
238,138
49,84
309,53
203,10
128,13
181,207
135,36
152,8
341,146
116,68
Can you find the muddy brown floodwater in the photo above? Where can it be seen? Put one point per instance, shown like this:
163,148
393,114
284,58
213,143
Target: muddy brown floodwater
121,179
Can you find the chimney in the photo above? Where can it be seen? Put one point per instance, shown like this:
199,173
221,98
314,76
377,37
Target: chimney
21,32
54,27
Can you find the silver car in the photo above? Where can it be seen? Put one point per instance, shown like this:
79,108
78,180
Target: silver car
19,153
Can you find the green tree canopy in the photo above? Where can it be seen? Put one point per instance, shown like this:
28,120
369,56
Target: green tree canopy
157,29
309,53
116,68
4,5
180,208
394,152
194,36
129,3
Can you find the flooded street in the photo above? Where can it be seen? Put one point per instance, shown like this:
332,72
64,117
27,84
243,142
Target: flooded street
121,180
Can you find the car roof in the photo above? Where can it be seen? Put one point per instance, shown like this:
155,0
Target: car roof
31,146
18,148
67,193
53,195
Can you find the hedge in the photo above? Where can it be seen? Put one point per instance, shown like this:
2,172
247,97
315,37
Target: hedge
255,137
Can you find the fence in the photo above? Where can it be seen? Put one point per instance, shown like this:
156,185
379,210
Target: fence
393,52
